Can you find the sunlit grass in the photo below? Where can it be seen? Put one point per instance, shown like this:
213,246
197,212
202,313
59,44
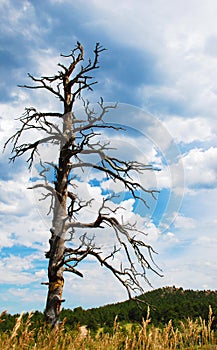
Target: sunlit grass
189,335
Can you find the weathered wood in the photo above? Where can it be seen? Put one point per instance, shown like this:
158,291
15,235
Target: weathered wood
68,85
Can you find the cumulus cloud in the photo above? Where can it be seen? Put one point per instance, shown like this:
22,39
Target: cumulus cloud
184,222
164,62
98,287
17,208
200,168
180,56
188,130
20,270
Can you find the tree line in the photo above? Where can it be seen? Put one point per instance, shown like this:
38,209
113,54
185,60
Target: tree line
165,304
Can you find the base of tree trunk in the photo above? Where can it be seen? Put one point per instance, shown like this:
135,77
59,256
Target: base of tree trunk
54,300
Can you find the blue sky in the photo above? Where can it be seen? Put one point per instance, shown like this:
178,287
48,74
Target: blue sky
161,66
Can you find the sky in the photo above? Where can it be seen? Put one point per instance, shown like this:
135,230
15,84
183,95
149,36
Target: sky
161,67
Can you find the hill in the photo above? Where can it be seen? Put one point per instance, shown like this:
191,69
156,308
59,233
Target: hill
165,304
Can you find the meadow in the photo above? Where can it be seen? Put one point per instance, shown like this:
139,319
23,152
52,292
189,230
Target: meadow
190,334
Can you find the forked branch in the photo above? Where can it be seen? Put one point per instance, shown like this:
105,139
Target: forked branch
81,147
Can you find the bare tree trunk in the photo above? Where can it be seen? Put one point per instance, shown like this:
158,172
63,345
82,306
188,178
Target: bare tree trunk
58,231
68,85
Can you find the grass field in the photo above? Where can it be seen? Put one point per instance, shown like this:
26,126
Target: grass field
189,335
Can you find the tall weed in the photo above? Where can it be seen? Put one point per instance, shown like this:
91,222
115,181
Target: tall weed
190,335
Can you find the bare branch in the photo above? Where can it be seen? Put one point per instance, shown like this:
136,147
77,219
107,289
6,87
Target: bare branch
130,185
80,146
33,147
94,117
129,276
44,85
73,270
47,187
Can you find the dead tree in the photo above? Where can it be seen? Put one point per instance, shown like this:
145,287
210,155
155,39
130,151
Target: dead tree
77,139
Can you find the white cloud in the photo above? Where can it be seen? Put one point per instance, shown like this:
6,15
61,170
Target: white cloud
19,270
188,130
183,47
19,19
182,222
98,287
23,299
200,171
200,167
20,219
179,41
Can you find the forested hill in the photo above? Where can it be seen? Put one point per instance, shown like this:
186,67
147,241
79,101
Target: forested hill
165,304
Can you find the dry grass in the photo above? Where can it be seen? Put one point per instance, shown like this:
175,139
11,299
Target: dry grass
190,335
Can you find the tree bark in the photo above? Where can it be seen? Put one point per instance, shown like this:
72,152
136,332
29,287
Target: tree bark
75,140
58,231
